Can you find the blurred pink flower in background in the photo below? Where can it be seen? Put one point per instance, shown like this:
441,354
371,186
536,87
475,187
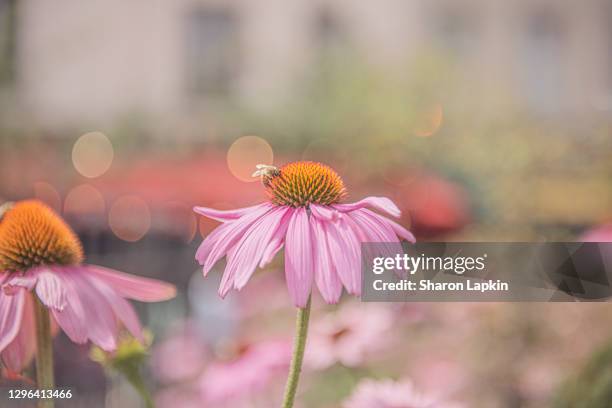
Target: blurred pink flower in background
321,236
249,373
602,233
391,394
437,373
350,336
179,358
41,257
179,397
411,313
265,295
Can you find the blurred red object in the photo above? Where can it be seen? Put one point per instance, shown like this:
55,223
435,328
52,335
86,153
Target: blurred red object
433,206
202,178
171,187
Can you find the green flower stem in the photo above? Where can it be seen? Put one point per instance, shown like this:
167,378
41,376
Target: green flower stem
299,346
44,352
136,380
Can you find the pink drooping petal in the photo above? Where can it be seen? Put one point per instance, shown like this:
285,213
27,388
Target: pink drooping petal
99,317
324,212
380,203
299,257
277,241
251,246
326,276
3,276
131,286
227,280
72,318
50,289
227,215
375,232
275,245
121,307
345,247
398,229
374,228
18,354
220,241
205,248
11,313
222,231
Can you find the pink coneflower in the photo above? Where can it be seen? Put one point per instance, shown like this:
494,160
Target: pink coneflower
321,236
390,394
248,373
350,337
43,275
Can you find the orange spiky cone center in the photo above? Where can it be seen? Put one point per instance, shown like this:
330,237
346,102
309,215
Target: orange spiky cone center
299,184
31,234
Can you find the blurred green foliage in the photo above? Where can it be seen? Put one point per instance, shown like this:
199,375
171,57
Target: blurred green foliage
592,386
370,119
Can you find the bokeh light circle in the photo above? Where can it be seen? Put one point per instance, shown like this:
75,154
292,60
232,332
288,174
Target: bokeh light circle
84,200
429,121
129,218
92,154
247,152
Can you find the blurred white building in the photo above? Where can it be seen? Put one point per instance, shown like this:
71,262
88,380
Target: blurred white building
75,61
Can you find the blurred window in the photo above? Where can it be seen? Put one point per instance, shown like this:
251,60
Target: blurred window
7,41
212,51
541,61
331,49
330,36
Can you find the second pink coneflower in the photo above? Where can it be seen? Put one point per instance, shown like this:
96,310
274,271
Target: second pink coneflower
43,282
